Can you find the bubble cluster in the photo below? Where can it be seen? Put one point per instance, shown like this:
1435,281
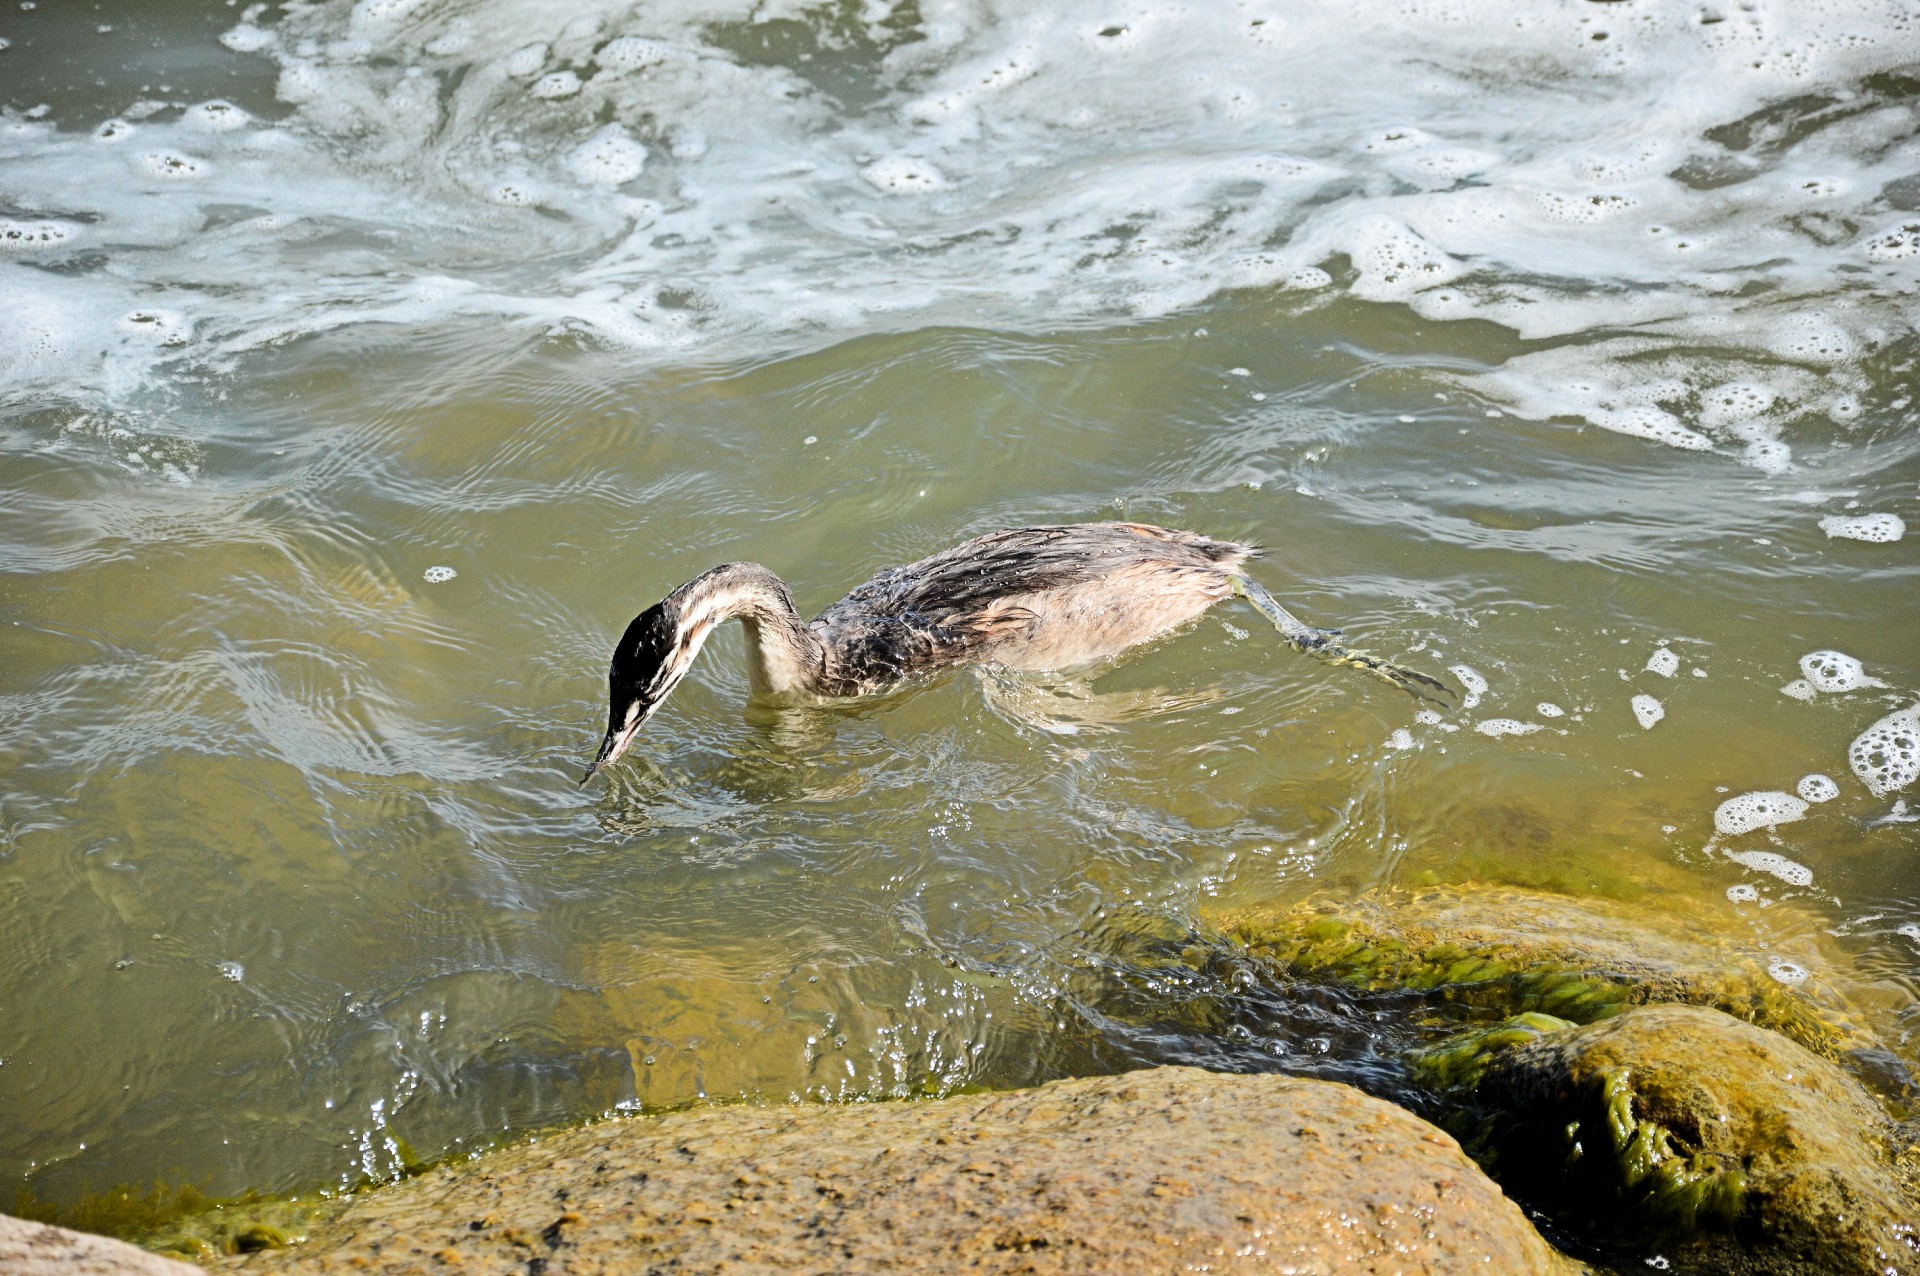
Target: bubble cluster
1896,243
629,53
18,237
1792,872
1506,726
1876,529
901,175
1663,662
1743,893
1817,788
1393,262
1886,756
1470,679
1789,973
436,575
558,84
609,158
216,116
1647,711
1548,709
172,166
1762,810
1835,671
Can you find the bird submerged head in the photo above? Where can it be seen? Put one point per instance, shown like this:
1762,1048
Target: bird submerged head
648,663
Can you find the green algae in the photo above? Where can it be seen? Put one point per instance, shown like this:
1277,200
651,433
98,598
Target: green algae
1495,952
183,1219
1459,1062
1666,1185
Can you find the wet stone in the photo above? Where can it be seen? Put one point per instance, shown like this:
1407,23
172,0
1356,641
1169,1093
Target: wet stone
1723,1147
38,1249
1165,1169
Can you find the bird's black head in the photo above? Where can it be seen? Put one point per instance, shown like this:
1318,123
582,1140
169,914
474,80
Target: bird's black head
646,665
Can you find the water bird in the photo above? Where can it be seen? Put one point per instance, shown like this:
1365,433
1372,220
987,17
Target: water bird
1029,598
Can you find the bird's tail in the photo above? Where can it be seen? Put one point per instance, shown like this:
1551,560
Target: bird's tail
1323,644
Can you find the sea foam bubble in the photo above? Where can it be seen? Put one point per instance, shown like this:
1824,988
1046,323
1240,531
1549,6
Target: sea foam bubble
1886,756
1835,671
1875,529
1792,872
1750,811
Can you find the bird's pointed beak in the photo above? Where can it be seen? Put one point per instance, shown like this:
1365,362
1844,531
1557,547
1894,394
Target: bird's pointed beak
611,748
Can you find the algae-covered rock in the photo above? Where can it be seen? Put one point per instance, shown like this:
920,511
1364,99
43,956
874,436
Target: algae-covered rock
1169,1169
1507,952
1727,1147
39,1249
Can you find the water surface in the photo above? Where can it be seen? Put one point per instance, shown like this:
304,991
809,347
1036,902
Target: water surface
1532,339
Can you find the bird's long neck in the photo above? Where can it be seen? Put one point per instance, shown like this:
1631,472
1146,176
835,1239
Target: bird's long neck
783,655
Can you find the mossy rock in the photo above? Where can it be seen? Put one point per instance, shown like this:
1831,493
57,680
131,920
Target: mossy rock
1724,1147
1499,952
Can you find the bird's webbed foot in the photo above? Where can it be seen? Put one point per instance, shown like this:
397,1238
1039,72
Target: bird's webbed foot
1418,685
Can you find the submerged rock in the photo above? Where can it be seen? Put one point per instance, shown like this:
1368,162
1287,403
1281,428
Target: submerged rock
1166,1169
1727,1147
1507,952
39,1249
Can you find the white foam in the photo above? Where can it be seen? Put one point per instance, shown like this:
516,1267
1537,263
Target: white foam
1799,689
903,175
609,158
155,325
1899,241
1877,529
630,53
1548,709
216,116
1400,739
247,38
525,61
22,237
1506,726
1663,662
1078,175
174,166
1886,756
1761,810
557,84
1743,893
1835,671
435,575
1817,788
1393,262
1789,973
1476,686
1792,872
1647,711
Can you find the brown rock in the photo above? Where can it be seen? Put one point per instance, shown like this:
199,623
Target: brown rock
1167,1169
38,1249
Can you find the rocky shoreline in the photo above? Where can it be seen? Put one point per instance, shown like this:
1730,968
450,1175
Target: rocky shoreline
1650,1096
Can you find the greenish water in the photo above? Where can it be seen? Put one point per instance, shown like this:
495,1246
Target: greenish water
293,865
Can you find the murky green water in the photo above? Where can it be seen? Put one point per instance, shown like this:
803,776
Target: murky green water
1533,352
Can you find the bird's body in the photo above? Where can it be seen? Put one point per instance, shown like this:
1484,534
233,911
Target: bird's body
1032,598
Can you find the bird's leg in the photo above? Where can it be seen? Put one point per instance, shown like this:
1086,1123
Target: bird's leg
1322,644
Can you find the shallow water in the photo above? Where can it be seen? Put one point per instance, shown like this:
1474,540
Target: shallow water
1538,344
